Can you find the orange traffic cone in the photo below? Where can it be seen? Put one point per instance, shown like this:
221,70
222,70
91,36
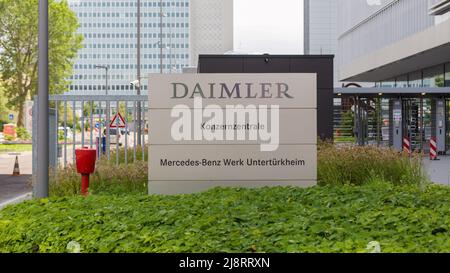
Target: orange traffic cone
16,171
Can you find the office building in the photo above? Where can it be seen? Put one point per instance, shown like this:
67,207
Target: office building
403,46
110,39
320,29
211,28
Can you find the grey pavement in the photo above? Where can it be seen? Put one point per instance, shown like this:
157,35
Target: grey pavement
438,170
13,186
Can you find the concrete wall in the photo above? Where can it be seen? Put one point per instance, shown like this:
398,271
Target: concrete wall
211,28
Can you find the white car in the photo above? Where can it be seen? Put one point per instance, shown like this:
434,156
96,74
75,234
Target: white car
68,129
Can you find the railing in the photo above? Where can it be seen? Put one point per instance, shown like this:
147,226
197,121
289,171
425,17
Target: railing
88,121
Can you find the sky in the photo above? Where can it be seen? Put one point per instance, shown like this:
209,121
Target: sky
268,26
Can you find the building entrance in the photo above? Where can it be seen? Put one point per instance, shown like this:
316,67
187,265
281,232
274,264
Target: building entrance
417,123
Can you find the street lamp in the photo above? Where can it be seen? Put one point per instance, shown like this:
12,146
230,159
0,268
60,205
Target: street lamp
161,15
138,87
106,69
108,108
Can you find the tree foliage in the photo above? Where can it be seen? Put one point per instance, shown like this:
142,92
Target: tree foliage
19,48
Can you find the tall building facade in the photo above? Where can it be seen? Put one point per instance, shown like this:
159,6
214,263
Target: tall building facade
110,39
320,29
211,28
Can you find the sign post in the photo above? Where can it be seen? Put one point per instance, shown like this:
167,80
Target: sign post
244,130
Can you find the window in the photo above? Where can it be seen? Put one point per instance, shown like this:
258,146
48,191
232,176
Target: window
415,79
401,81
433,77
388,83
447,75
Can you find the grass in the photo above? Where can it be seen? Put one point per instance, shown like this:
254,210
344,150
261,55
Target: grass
404,218
336,166
107,179
358,165
15,148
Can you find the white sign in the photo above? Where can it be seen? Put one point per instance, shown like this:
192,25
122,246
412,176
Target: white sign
246,130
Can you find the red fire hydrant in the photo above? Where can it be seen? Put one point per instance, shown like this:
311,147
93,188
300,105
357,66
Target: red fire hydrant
85,166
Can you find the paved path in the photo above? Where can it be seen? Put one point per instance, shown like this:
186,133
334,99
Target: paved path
439,171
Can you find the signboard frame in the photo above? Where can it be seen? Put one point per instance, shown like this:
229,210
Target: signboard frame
178,179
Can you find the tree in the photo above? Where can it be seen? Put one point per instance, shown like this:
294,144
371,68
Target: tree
19,49
3,108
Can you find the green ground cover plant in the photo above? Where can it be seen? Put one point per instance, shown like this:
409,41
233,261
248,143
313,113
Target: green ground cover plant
401,218
6,148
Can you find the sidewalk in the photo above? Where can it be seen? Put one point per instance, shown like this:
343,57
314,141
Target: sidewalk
438,171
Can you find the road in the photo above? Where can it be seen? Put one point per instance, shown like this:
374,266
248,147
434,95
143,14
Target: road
14,186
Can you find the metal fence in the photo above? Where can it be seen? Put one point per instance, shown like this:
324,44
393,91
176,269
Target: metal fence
108,124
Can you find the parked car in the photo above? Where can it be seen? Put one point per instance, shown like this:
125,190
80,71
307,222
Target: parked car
114,136
68,129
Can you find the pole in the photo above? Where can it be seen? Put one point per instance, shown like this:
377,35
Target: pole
41,190
139,70
160,35
170,47
108,111
106,87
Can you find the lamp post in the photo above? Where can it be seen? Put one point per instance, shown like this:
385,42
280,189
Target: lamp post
138,87
108,108
106,70
161,15
41,190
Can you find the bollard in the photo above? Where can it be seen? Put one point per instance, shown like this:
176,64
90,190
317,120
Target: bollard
407,145
433,149
85,166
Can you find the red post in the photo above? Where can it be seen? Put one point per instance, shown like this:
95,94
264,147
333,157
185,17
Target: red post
85,166
84,184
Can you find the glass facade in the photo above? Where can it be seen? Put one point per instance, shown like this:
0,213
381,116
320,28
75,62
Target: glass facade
437,76
110,39
447,75
367,26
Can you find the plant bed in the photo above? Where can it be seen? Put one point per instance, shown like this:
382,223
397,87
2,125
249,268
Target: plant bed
405,218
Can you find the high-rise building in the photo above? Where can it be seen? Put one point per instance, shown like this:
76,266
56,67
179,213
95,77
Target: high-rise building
211,27
110,39
320,29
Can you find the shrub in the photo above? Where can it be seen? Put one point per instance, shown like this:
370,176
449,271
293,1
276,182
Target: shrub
336,166
357,165
107,179
9,137
23,133
345,218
